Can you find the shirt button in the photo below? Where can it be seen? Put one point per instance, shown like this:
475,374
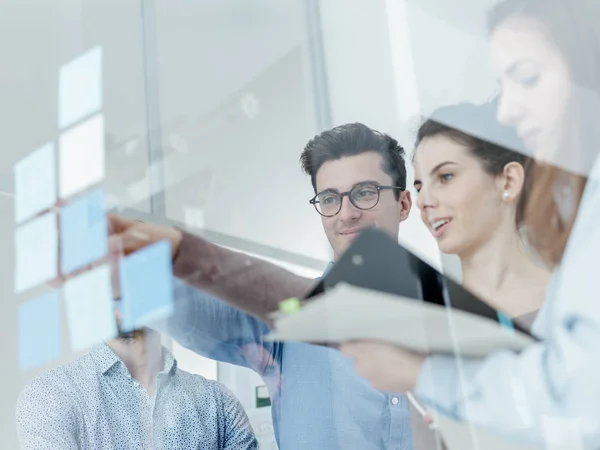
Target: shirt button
394,400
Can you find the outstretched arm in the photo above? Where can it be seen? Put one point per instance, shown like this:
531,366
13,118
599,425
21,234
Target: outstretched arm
247,283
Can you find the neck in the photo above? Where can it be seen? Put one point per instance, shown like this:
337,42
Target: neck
142,355
501,272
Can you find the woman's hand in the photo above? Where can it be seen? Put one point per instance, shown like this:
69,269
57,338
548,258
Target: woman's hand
388,368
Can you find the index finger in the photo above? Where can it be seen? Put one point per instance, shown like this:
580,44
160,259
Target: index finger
118,224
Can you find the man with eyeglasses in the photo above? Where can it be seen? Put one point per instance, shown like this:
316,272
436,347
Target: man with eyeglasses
367,168
318,402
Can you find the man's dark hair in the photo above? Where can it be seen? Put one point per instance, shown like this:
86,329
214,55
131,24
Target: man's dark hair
350,140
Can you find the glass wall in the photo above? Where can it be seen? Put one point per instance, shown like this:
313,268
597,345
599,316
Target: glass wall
38,39
207,106
239,93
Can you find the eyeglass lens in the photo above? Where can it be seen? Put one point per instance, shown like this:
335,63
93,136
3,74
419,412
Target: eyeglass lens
363,196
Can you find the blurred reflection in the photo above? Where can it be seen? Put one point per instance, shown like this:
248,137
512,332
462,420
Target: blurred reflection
549,76
129,394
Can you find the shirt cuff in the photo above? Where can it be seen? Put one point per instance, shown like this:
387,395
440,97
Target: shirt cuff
192,257
438,385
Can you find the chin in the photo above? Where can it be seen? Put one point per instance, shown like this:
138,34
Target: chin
340,248
448,247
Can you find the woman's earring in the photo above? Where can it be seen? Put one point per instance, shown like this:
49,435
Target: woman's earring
505,195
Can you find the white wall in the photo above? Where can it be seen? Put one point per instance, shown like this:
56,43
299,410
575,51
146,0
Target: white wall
241,167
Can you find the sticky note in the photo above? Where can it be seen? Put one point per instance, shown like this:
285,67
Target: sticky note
36,252
90,310
80,88
83,232
39,331
81,157
35,182
146,282
262,398
194,217
290,305
506,322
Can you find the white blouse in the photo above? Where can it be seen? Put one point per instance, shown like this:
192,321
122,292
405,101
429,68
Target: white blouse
550,391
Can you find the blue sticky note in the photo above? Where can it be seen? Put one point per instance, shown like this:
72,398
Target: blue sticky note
39,331
83,232
80,87
90,310
506,322
146,282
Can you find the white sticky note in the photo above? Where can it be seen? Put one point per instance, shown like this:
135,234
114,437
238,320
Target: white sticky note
194,217
80,87
262,392
35,182
36,250
82,157
90,308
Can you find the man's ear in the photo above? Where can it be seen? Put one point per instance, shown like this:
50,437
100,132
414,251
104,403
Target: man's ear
405,201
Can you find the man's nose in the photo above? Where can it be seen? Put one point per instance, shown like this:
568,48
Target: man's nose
349,212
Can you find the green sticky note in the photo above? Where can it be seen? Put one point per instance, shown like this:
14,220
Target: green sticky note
262,398
290,305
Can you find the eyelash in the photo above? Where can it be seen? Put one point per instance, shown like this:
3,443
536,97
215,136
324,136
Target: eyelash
444,179
530,81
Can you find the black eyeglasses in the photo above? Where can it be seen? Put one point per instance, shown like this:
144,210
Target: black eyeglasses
363,196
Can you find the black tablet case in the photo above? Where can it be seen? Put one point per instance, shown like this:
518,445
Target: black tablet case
375,261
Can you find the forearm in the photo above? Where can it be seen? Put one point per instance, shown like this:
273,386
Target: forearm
248,283
523,397
213,328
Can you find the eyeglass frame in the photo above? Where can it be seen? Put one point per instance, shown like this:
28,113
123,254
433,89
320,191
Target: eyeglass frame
313,201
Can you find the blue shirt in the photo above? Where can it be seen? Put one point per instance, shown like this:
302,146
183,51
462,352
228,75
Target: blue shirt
94,403
318,401
551,389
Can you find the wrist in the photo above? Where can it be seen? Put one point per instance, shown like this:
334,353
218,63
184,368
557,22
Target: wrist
175,237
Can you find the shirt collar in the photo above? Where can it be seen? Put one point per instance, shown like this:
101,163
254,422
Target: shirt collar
106,359
170,363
